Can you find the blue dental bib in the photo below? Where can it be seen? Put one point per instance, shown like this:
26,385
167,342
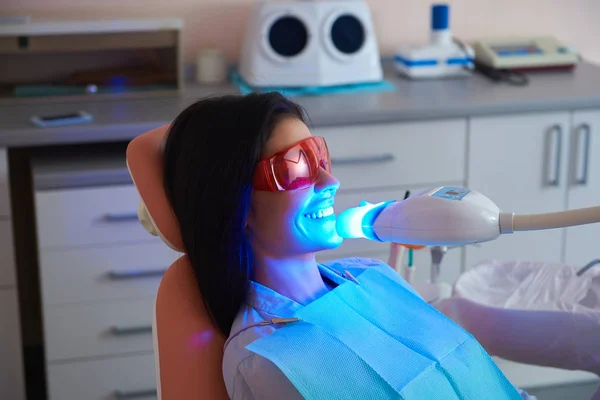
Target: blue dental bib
378,340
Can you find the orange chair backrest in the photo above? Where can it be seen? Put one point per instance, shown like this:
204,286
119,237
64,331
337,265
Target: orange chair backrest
188,346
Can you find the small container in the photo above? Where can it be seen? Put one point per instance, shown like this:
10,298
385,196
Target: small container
211,66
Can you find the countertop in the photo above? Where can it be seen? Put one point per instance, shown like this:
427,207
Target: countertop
122,119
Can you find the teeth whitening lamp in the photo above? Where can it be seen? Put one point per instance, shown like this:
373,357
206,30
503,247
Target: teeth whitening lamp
448,216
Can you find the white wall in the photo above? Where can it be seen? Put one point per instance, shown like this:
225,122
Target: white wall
221,22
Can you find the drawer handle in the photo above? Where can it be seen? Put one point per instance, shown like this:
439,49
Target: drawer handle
584,148
119,394
135,274
124,217
130,330
378,159
554,157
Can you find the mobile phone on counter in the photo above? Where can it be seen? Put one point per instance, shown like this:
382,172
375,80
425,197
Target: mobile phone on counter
49,121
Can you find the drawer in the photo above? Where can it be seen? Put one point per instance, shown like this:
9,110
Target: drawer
344,201
82,217
115,378
76,331
387,155
4,191
450,270
11,362
94,274
7,255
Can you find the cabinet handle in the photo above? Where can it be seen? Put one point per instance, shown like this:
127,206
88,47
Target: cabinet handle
130,330
583,139
124,217
135,274
378,159
120,395
554,158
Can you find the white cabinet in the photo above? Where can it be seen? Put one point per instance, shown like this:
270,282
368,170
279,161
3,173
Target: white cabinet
584,186
98,274
98,329
537,163
519,162
127,377
99,271
89,216
398,154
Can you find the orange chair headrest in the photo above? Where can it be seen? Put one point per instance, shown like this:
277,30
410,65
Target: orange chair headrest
145,159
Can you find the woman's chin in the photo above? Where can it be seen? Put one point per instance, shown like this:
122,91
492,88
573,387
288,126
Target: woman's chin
333,242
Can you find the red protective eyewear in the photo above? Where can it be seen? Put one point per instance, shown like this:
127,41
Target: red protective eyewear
296,167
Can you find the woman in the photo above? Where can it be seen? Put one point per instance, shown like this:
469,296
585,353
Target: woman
254,195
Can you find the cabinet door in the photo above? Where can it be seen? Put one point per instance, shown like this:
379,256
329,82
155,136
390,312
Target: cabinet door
397,154
519,162
584,188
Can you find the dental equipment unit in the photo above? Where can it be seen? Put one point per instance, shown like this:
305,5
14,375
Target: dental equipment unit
448,216
442,57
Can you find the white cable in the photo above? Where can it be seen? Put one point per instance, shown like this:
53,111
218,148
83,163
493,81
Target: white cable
561,219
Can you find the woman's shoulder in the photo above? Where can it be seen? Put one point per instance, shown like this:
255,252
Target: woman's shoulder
248,375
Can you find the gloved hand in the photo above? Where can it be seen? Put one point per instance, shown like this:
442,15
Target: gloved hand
533,313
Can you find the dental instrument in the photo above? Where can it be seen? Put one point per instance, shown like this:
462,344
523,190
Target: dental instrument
437,254
410,266
448,216
441,57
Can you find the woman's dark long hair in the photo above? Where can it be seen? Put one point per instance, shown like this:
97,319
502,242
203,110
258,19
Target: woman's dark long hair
211,153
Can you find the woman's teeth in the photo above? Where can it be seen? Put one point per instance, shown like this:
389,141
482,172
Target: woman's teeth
320,214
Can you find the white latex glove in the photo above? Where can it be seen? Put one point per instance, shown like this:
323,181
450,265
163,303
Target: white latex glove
531,312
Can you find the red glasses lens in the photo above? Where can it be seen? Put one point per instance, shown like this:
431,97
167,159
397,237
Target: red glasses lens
294,168
297,168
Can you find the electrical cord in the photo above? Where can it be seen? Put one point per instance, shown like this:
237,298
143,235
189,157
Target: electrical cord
495,74
502,75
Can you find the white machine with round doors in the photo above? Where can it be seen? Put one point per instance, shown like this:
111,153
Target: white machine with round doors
310,43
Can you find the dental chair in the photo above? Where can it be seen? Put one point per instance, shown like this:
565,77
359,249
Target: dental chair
188,347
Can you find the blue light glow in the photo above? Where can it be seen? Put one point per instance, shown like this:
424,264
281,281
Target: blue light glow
357,222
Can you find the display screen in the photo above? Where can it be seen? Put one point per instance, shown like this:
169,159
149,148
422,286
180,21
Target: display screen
58,117
516,50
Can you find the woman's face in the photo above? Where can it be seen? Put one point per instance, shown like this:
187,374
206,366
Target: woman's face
282,223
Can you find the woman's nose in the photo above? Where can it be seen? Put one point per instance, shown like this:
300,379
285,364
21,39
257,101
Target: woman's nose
326,181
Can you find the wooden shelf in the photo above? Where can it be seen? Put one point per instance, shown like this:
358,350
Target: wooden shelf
88,42
62,59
